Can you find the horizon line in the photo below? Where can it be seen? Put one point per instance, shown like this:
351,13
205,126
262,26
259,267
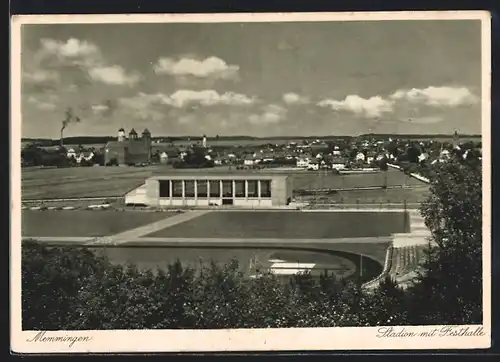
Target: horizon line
272,137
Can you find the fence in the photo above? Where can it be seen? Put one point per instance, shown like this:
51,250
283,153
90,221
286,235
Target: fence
363,206
297,204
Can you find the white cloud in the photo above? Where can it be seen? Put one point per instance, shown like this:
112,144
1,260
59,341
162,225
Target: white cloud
182,98
185,98
100,108
73,52
270,115
210,67
43,105
81,57
114,74
294,98
437,96
143,100
71,48
370,108
144,106
40,76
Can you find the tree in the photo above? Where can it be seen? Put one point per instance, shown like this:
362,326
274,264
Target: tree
387,306
384,167
392,148
412,153
98,159
51,282
450,289
32,155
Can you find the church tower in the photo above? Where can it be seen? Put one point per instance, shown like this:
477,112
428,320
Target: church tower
146,138
456,140
204,141
121,135
132,135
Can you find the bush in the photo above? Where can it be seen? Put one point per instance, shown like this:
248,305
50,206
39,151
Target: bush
72,288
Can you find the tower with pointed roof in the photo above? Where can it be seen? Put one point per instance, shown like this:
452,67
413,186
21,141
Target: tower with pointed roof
121,135
146,138
456,139
132,135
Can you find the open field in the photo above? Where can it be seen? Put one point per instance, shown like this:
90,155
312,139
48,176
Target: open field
84,222
96,146
283,141
378,197
320,180
46,183
288,225
40,183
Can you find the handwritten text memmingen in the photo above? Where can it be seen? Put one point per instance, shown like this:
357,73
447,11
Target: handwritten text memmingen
71,340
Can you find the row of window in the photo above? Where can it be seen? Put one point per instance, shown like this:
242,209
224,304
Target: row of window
211,188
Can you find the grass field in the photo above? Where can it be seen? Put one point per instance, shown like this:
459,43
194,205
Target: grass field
288,225
40,183
84,222
320,180
96,146
46,183
379,197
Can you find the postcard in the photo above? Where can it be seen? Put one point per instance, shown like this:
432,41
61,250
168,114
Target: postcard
250,182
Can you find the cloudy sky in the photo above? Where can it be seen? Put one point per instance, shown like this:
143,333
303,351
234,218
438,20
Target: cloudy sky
259,79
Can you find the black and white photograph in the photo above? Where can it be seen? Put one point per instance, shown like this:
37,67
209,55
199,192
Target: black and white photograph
250,182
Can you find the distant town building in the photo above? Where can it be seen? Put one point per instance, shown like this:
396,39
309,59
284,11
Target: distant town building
360,156
86,155
313,165
249,160
339,163
71,153
163,157
128,151
303,162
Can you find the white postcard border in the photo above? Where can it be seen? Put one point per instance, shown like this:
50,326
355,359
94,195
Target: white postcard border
345,338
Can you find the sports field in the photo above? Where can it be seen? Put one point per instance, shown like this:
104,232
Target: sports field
294,241
288,225
284,261
84,222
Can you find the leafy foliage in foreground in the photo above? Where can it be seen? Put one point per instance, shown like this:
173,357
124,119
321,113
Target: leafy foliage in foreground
72,288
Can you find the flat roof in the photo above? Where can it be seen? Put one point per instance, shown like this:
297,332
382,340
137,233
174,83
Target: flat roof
218,176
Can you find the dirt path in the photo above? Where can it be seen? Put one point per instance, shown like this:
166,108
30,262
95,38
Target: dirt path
149,228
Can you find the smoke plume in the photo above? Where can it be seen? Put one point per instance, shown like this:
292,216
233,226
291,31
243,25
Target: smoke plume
69,118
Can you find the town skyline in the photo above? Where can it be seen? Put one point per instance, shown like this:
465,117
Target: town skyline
253,79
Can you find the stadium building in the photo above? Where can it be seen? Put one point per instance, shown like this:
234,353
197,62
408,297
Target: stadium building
249,190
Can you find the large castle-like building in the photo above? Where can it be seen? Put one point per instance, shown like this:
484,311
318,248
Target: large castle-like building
128,151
